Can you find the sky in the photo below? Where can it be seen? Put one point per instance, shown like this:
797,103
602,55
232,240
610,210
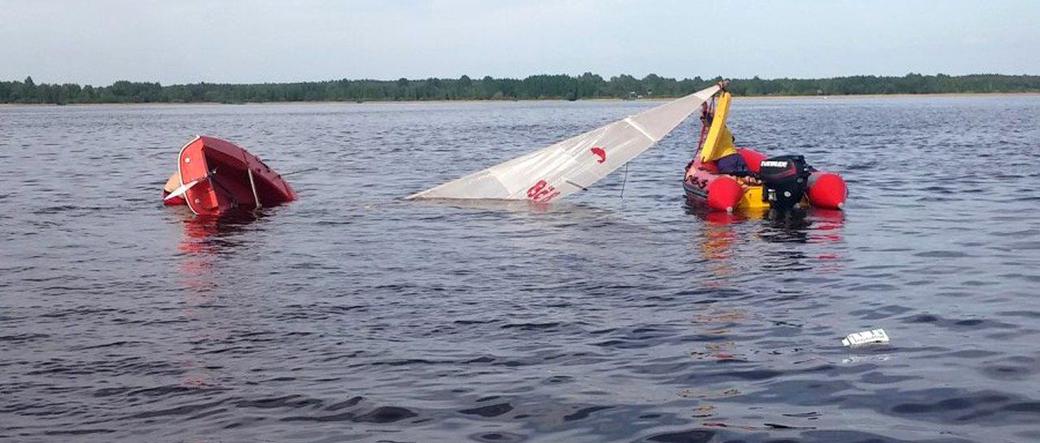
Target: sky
186,41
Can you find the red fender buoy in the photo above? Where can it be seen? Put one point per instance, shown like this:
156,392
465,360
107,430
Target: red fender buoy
827,190
723,193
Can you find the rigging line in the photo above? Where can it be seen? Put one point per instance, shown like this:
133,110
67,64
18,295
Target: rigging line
624,181
299,172
213,179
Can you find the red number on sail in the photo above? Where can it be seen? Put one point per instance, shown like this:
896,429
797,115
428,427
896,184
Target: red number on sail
542,192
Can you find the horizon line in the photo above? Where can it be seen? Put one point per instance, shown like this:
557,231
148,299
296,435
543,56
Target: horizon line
702,78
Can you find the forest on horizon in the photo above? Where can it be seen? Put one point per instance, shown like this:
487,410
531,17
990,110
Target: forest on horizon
535,87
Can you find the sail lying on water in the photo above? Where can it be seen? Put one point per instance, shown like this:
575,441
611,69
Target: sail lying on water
573,164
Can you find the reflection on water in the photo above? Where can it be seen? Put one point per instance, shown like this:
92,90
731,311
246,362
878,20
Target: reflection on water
205,240
723,234
214,234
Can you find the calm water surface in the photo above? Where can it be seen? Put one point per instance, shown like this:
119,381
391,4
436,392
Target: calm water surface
609,316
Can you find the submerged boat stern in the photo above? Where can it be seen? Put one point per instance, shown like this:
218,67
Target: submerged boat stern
202,197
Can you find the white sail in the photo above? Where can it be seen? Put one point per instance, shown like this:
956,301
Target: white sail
573,164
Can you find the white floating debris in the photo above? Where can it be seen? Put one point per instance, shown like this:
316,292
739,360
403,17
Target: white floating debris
873,337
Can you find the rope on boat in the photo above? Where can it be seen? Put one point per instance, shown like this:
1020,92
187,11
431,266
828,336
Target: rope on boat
624,181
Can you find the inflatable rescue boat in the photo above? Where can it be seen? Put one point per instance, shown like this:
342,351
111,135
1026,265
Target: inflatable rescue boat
724,177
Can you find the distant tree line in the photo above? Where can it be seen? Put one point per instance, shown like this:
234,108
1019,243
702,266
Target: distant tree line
565,87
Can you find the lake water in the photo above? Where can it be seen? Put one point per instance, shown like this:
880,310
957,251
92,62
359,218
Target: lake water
354,315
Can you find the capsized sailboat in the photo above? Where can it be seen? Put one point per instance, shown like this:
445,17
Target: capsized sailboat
573,164
215,176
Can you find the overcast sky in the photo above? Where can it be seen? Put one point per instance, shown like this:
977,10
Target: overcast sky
180,41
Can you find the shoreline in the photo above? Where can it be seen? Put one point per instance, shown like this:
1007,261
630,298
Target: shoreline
529,100
901,95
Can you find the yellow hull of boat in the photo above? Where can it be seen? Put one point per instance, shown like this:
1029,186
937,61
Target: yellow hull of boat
751,200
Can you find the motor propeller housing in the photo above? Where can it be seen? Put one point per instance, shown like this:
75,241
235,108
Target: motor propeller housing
785,180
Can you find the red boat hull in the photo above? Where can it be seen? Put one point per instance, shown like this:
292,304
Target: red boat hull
227,177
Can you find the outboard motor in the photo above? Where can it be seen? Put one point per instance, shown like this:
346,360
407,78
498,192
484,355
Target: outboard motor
785,180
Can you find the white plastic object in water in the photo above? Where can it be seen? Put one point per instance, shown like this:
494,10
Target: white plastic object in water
872,337
576,163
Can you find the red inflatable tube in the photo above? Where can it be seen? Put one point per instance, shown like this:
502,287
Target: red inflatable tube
752,158
719,192
723,193
827,190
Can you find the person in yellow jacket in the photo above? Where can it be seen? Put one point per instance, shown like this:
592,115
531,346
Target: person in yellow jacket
718,149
